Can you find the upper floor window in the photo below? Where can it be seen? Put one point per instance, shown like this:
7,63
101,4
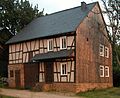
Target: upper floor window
63,43
106,52
50,45
101,50
63,69
106,71
101,71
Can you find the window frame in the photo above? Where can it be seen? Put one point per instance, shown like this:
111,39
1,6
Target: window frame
11,73
101,53
61,42
108,71
48,45
65,69
106,52
101,66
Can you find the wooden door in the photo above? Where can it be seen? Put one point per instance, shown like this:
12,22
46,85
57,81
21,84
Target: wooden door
17,78
49,72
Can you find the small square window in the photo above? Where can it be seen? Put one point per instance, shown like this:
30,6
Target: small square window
63,43
63,69
106,71
50,45
11,73
101,71
106,52
101,50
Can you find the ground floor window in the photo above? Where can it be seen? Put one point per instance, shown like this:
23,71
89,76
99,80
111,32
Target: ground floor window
106,71
63,69
11,73
101,71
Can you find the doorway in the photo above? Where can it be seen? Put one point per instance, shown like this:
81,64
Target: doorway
17,78
49,72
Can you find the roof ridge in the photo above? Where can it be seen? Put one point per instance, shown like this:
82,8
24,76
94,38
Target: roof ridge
65,10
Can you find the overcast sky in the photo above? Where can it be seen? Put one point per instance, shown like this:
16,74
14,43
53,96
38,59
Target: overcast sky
51,6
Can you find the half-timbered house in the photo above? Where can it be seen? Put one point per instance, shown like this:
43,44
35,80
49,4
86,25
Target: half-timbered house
66,50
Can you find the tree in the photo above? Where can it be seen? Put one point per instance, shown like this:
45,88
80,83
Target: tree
112,9
14,15
17,14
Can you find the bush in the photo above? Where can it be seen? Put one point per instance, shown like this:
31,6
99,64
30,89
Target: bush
3,82
116,76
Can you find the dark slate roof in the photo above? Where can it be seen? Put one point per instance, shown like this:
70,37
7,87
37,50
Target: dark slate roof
53,24
52,55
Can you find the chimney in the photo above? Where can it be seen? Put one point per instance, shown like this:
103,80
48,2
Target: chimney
83,5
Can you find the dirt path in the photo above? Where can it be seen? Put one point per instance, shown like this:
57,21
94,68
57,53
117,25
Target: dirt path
29,94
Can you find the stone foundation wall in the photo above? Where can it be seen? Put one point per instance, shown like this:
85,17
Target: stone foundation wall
82,87
73,87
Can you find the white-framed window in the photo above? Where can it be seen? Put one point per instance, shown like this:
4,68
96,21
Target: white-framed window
106,52
50,45
63,42
101,71
63,68
106,71
101,50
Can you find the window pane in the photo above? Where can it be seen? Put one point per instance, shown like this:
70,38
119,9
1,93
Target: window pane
101,50
106,52
63,43
11,73
106,71
63,69
50,45
101,71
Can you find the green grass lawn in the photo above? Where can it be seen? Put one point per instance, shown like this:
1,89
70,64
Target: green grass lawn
105,93
2,96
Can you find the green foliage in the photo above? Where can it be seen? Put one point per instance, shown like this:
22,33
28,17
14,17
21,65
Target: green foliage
112,9
2,96
16,14
116,76
116,65
104,93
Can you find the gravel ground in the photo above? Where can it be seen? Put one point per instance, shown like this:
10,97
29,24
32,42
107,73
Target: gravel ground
29,94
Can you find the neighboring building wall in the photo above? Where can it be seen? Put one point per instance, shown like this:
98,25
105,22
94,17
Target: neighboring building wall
90,34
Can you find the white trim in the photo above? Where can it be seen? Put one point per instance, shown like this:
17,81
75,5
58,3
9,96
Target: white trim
64,37
62,68
48,48
107,51
101,66
107,69
101,52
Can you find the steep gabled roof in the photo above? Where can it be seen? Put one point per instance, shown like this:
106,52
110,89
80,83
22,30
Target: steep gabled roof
53,24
